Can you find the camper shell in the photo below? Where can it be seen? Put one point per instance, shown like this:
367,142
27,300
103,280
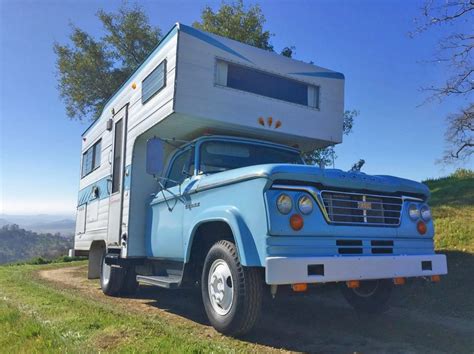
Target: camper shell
190,97
193,174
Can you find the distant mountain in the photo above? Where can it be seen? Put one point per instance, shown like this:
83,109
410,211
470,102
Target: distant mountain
42,223
18,244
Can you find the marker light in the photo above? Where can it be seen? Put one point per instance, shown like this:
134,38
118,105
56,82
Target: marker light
305,205
425,212
421,227
284,204
270,121
399,281
353,284
261,121
278,124
134,86
414,212
296,222
299,287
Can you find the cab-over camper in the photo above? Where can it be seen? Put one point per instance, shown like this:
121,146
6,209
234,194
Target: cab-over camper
193,175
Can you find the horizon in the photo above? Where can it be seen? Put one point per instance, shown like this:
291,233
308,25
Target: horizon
40,161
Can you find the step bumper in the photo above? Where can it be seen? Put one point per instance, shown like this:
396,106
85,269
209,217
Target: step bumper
291,270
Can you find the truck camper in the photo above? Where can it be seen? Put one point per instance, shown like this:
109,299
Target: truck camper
193,176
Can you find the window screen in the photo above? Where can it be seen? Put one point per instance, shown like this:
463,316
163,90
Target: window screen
154,82
262,83
91,159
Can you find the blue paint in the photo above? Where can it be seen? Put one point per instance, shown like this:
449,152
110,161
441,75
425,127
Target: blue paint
103,186
324,74
210,40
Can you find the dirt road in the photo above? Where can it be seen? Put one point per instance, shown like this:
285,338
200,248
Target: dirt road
316,322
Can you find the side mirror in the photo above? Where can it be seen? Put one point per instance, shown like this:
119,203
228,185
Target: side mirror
154,157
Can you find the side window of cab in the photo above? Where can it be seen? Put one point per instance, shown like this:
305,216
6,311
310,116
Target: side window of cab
181,168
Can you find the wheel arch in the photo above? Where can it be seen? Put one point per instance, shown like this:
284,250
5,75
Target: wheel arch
228,222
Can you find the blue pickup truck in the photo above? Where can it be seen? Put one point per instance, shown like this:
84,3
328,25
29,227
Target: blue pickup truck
193,176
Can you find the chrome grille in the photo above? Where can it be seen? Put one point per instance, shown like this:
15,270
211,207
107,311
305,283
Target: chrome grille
360,208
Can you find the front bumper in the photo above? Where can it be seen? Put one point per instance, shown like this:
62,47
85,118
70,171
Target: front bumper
291,270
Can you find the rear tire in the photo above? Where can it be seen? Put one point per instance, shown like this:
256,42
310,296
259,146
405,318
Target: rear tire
231,293
111,278
371,297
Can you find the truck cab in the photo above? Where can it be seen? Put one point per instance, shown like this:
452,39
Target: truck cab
193,176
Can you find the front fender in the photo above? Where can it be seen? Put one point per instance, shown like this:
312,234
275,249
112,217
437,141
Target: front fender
244,240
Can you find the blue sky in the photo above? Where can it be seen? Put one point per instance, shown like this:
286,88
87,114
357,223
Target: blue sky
366,40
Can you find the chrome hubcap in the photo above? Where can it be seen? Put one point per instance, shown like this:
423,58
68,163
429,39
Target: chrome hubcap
105,272
220,287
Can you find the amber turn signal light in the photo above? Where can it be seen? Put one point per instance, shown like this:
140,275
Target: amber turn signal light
353,284
421,227
300,287
296,222
435,278
399,281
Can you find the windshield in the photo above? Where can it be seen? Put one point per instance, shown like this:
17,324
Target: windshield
218,156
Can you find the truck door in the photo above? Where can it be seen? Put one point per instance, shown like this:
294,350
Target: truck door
116,182
167,212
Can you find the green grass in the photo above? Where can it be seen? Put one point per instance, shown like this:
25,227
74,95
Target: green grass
452,202
36,316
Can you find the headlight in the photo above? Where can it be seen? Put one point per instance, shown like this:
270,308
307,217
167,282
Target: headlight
305,205
414,212
284,204
425,213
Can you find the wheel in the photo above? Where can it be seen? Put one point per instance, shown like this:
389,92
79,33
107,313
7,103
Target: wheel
370,297
231,293
111,278
130,284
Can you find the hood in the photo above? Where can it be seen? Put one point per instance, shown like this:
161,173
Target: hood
330,178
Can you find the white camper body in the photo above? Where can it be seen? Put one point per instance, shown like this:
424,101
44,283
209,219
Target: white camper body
194,83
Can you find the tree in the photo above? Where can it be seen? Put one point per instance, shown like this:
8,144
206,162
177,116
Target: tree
91,70
234,21
455,53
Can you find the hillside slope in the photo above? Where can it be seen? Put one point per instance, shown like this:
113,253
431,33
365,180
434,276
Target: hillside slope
452,202
17,244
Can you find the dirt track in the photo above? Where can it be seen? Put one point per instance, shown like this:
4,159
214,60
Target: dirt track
317,322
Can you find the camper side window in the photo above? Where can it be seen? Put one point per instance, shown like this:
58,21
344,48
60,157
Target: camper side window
266,84
91,159
154,82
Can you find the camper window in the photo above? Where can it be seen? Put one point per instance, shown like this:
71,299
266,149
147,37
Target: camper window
265,84
154,82
91,158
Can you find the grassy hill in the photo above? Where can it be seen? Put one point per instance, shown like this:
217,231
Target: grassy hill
40,314
17,244
452,203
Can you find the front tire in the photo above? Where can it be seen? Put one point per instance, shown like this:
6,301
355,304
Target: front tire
232,293
111,278
370,297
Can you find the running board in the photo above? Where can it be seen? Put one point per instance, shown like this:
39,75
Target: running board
170,281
